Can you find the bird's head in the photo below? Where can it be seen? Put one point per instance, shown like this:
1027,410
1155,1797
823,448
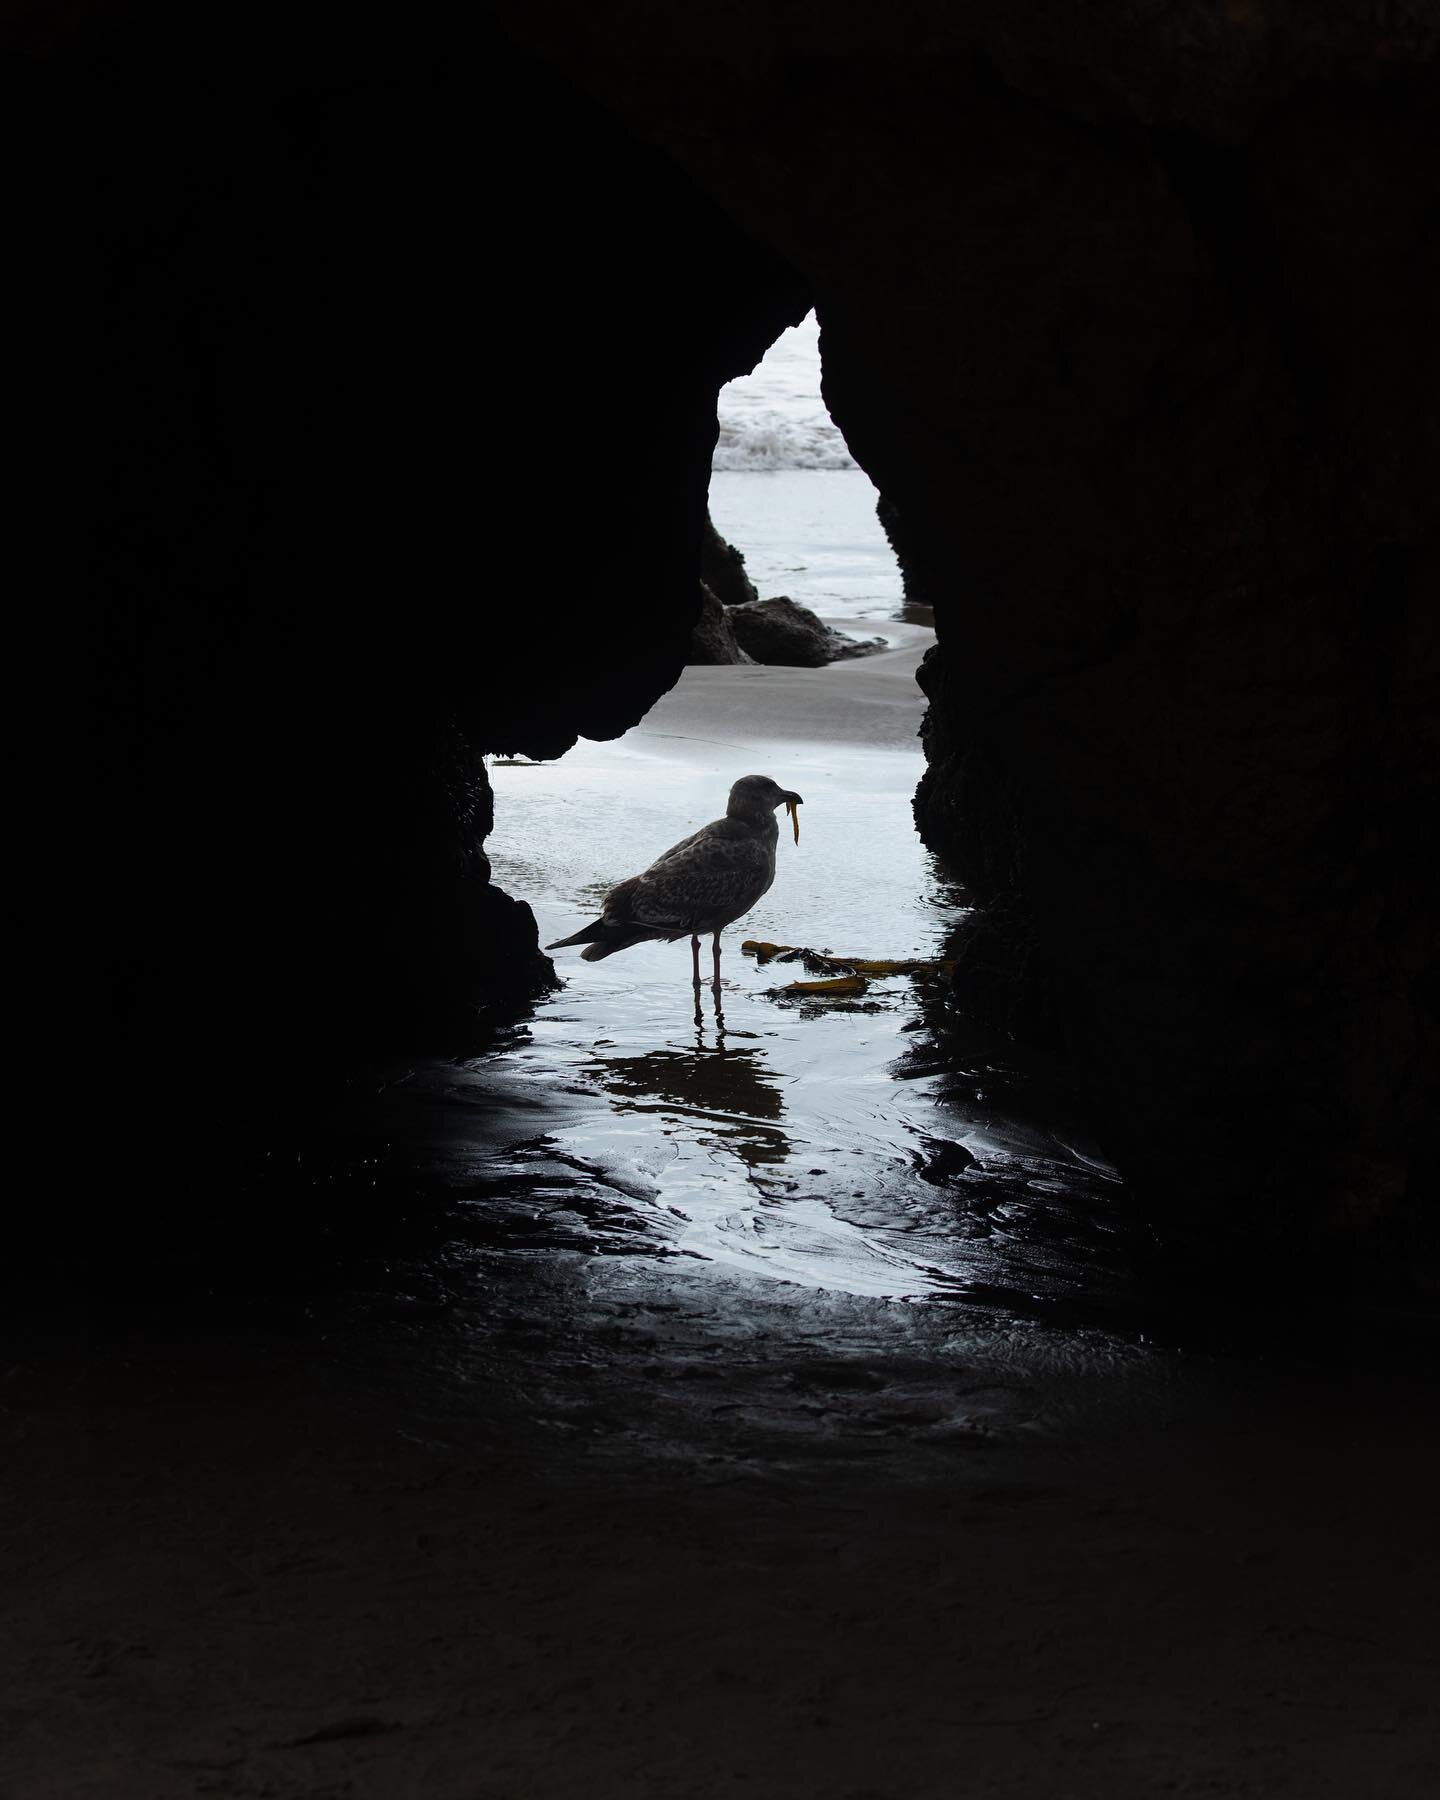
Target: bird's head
754,795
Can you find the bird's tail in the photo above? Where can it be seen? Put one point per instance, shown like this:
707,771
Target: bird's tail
603,939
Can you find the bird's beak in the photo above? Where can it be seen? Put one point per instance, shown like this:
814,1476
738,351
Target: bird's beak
793,803
792,799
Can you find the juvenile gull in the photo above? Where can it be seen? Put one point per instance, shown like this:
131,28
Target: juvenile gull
703,883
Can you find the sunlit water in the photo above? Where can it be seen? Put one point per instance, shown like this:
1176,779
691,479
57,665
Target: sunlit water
740,1136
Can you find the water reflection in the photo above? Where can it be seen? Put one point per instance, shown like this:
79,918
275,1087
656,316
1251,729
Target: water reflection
725,1086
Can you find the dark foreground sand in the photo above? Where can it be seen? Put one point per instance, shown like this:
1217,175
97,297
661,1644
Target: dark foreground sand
529,1522
316,1565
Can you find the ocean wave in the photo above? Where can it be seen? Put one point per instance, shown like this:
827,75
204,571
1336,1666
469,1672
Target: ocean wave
770,440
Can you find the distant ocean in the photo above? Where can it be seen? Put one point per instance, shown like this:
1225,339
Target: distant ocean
775,418
788,494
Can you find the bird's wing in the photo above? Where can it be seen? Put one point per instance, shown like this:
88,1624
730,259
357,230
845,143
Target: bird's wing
619,902
714,875
702,835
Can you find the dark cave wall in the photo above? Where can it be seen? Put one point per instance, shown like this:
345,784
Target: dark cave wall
377,367
1179,727
1129,316
382,367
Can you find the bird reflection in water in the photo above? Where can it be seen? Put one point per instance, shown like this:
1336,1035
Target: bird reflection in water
724,1087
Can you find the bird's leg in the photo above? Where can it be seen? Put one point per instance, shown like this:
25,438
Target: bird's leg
715,990
695,956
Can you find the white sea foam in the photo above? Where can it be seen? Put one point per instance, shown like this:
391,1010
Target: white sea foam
768,440
774,418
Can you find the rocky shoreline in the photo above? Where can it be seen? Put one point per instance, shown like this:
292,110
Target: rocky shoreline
737,626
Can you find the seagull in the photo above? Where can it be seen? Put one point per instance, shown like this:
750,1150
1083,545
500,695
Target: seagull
703,883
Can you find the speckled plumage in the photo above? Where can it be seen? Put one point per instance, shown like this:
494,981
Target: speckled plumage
702,884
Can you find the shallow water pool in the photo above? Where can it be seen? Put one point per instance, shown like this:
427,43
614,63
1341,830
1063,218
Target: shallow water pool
791,1138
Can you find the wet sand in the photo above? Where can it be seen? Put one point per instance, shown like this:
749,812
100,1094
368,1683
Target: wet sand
589,1458
559,1545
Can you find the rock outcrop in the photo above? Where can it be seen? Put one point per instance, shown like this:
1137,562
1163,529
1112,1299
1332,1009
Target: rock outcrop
722,569
713,641
337,475
780,631
736,625
334,416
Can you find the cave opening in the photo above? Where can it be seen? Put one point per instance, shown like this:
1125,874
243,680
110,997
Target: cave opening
828,1117
341,458
787,493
